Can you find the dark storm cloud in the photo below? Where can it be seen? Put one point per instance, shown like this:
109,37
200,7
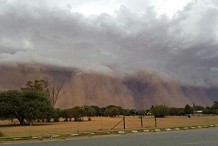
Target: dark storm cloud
183,47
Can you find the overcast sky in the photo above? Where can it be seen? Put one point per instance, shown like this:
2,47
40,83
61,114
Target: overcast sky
175,38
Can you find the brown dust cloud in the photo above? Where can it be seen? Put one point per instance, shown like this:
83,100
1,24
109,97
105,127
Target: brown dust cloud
140,90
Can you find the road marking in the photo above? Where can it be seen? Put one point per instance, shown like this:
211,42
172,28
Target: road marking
74,134
55,136
185,128
121,132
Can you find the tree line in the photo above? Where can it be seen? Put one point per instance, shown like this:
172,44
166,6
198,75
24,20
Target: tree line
36,101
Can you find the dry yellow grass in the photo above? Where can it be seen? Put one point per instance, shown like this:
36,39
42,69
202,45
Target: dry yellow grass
105,123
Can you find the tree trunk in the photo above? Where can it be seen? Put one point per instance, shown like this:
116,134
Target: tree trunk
21,120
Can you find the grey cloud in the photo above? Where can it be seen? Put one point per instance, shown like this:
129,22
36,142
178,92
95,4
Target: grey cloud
184,47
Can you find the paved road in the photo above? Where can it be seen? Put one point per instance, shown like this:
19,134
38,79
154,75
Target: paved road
200,137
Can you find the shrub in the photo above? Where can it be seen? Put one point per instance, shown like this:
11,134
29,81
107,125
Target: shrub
160,111
188,109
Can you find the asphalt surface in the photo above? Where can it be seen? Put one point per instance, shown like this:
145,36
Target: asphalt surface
200,137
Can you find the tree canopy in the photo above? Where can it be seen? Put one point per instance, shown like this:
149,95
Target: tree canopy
188,109
51,87
160,111
25,105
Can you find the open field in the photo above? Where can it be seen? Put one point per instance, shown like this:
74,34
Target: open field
104,123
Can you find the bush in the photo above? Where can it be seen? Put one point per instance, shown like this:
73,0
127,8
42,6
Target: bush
78,113
176,112
188,109
160,111
112,111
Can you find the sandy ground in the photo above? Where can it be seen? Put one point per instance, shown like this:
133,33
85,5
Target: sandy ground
104,123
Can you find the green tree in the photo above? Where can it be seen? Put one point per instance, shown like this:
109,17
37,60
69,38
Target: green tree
102,111
215,105
56,115
188,109
126,112
78,113
39,85
112,111
133,112
198,107
97,110
35,104
208,110
142,112
26,105
10,103
51,87
176,112
90,112
66,114
212,110
160,111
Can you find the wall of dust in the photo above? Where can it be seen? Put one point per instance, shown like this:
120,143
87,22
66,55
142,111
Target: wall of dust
140,90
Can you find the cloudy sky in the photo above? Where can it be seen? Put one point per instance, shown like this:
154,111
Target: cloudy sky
175,38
